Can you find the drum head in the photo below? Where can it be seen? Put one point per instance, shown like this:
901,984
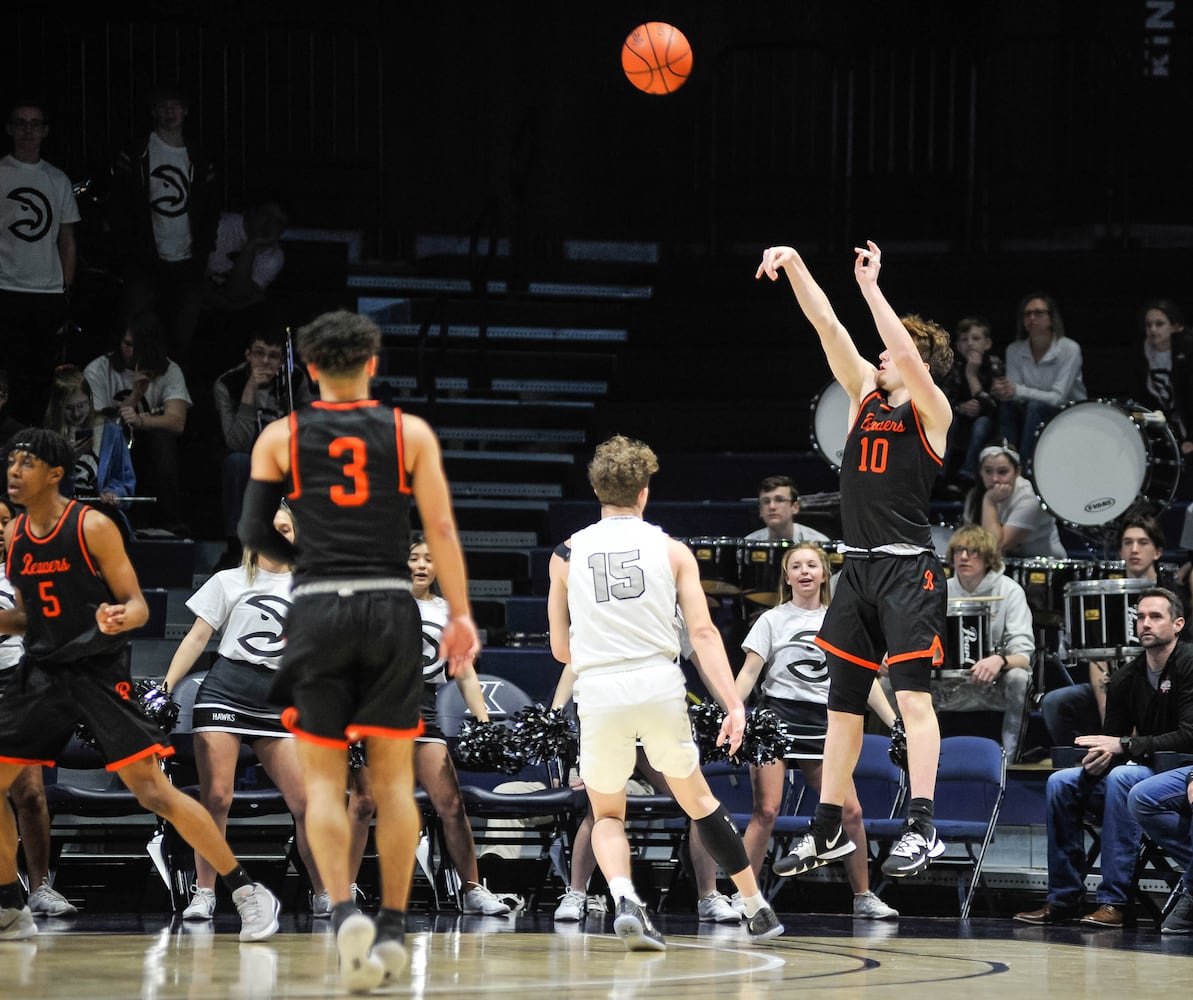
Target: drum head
1090,463
830,423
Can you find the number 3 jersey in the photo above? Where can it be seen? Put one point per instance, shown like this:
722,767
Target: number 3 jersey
621,596
60,588
350,491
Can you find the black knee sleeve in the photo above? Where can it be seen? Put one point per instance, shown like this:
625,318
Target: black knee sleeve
720,836
912,675
849,686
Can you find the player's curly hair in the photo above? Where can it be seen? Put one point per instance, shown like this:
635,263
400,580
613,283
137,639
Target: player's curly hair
619,469
933,343
338,343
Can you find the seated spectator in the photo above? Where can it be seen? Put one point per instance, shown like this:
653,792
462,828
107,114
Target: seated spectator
247,398
103,471
1004,504
146,392
1149,708
1070,711
778,503
1163,807
975,410
1162,379
1001,679
247,256
1043,374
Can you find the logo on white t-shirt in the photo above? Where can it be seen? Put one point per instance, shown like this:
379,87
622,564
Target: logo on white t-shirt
172,191
33,226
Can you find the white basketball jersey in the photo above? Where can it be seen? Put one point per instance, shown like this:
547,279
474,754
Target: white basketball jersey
621,596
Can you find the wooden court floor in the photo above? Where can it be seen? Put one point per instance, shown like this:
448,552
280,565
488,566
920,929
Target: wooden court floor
98,957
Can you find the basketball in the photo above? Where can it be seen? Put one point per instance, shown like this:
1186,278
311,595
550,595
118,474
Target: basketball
657,58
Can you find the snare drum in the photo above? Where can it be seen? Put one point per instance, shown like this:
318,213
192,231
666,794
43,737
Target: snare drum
718,562
830,423
761,567
1100,617
1096,460
1044,580
967,633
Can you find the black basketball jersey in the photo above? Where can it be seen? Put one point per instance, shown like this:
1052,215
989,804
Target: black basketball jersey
350,491
887,472
61,588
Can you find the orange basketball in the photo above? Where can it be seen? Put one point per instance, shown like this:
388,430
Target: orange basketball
656,58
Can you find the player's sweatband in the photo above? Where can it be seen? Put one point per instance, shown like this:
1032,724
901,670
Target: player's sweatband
256,530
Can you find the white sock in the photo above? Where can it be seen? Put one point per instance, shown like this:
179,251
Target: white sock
753,903
622,888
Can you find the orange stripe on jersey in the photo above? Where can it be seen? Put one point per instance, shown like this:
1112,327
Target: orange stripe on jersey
935,652
296,492
356,733
919,426
860,407
354,404
828,647
57,527
156,750
403,482
83,544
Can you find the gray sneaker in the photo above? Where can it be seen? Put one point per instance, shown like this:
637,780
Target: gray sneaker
202,904
715,907
595,906
479,899
1179,919
259,909
867,906
320,905
632,924
16,925
47,900
571,906
764,925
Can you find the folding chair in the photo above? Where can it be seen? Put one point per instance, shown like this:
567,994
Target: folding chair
552,807
970,785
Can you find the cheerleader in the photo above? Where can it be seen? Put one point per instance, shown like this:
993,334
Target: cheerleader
433,768
248,607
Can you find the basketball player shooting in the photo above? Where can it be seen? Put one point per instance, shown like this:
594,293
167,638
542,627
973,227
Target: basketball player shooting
891,597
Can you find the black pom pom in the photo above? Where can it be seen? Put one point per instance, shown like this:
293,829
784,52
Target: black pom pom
898,748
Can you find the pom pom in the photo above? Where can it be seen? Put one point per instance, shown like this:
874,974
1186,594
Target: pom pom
358,756
156,704
539,735
484,746
898,748
765,738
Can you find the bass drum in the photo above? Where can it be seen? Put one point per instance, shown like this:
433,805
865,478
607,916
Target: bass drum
1096,460
830,423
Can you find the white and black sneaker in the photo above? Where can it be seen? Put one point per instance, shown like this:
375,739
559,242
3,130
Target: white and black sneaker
813,851
632,924
912,854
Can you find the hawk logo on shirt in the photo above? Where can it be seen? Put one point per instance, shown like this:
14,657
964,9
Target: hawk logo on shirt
175,191
433,667
809,667
270,641
36,214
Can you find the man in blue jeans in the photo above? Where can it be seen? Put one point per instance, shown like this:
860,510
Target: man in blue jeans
1163,807
1149,708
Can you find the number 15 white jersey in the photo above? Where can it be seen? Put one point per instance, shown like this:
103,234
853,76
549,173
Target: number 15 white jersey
621,596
